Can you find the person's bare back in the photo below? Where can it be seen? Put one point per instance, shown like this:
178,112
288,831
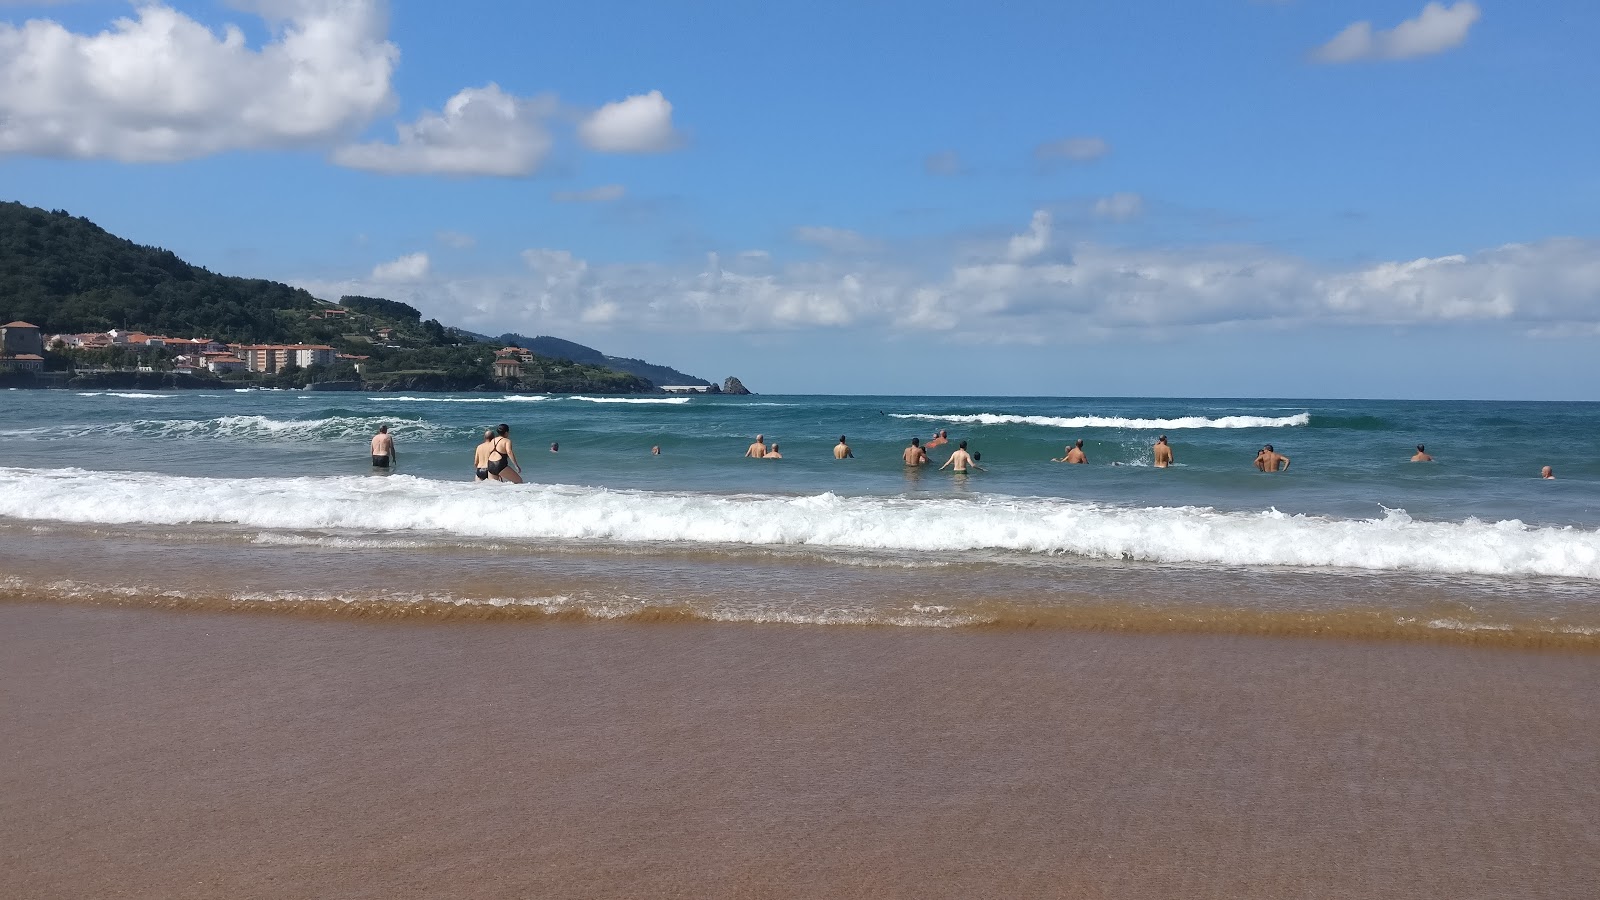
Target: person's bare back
841,450
914,455
1422,455
758,450
1074,455
961,460
1270,460
1163,452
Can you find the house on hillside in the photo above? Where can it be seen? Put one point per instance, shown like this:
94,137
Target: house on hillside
506,367
21,347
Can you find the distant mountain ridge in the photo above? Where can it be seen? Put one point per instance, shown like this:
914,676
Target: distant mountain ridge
558,348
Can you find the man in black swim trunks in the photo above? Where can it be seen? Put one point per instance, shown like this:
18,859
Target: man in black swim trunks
383,454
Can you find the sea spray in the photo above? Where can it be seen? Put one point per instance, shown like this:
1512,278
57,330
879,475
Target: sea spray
1392,541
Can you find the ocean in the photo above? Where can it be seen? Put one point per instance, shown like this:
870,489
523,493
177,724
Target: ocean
236,662
267,498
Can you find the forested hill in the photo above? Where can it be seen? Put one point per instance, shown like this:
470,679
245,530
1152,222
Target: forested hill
66,274
558,348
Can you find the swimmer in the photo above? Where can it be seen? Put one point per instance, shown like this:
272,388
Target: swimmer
555,448
1074,454
1422,455
773,453
656,450
1547,473
1163,452
480,458
961,459
383,454
914,455
841,450
1270,460
758,450
940,438
502,458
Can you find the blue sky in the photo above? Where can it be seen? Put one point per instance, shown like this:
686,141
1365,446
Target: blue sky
1213,197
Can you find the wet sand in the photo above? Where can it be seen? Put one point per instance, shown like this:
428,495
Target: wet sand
189,754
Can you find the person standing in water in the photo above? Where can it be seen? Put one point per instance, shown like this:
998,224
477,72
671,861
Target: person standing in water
1270,460
773,452
1163,452
940,438
1547,473
961,460
1422,455
758,450
383,455
503,463
914,455
1074,454
841,450
480,458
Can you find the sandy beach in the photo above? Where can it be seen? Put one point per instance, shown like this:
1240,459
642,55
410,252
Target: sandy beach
190,754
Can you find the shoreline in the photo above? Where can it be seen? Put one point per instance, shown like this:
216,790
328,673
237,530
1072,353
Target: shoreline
204,755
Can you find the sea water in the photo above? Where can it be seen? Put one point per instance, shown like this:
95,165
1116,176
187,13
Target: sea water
273,495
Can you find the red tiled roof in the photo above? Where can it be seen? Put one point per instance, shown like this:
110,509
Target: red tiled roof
23,355
18,324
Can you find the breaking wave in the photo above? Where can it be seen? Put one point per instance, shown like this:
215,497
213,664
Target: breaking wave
127,395
1115,421
404,504
255,428
668,400
509,398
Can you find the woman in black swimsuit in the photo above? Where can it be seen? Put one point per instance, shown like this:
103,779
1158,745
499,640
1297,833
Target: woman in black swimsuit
502,458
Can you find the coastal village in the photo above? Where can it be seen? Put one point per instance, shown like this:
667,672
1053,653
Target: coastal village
24,349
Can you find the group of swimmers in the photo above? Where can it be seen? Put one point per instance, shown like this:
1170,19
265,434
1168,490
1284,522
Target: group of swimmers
496,460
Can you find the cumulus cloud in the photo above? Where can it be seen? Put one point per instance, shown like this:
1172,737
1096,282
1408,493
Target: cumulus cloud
159,86
1072,150
411,267
1032,242
481,131
638,124
838,240
604,193
1032,288
1436,29
1119,207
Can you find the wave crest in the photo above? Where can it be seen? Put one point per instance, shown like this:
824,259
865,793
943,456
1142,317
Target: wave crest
406,504
1173,424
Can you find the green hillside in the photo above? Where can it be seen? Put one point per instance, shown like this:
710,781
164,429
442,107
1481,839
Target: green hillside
68,275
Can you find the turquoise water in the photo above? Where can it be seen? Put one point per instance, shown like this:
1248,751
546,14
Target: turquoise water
1350,458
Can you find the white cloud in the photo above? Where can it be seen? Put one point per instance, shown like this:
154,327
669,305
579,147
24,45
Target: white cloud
159,86
1033,241
1028,289
411,267
481,131
838,240
455,239
1436,29
1072,150
1119,207
638,124
945,162
604,193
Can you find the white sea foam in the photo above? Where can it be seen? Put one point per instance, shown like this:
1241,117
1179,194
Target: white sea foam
671,400
509,398
1115,421
255,428
128,395
404,504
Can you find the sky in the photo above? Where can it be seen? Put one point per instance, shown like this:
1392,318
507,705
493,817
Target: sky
1228,198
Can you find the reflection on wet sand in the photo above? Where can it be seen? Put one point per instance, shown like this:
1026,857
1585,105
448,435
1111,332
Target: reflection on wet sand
157,754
